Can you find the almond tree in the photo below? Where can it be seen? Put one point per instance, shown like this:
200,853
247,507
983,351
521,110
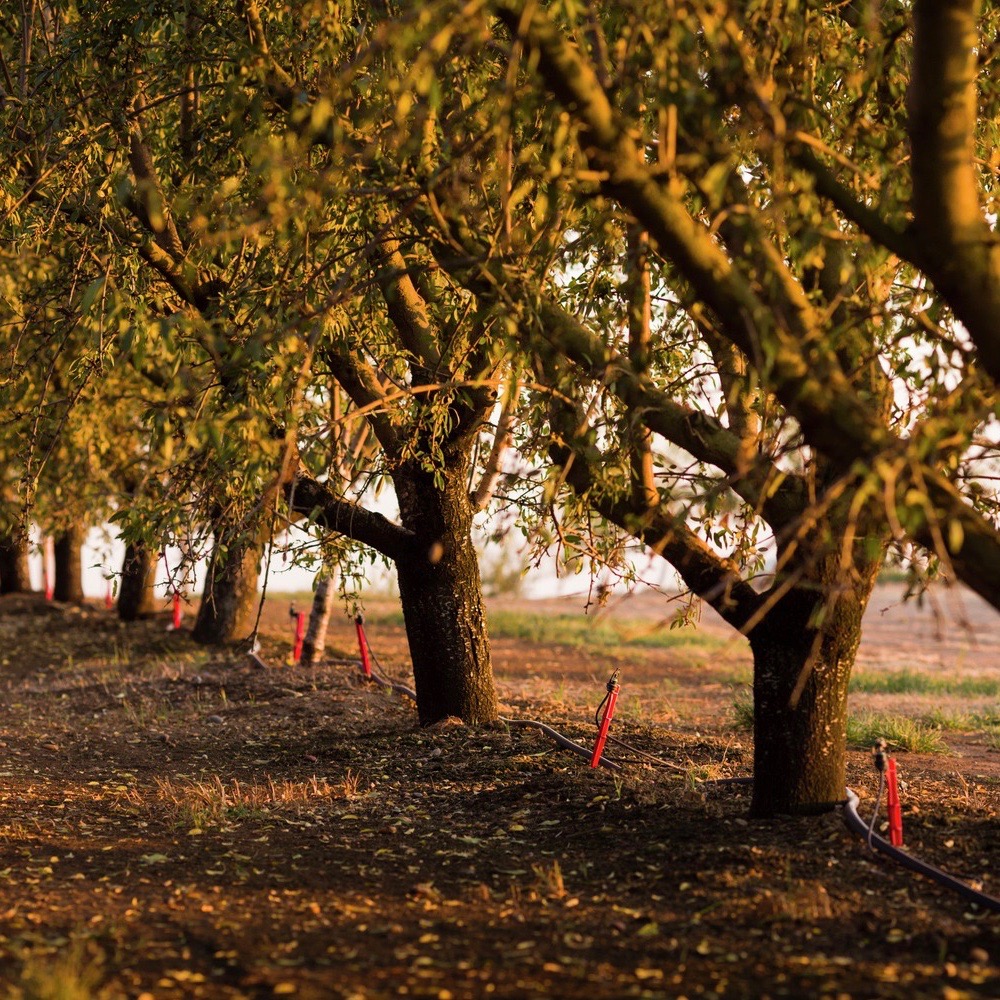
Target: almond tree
773,176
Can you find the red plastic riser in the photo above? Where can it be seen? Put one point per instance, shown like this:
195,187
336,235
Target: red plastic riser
602,736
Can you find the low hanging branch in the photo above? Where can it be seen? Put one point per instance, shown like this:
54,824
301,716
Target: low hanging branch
316,501
483,493
714,578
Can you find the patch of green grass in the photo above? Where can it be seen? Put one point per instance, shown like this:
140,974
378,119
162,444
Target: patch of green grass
737,677
990,719
965,722
72,973
578,630
913,682
894,574
741,710
949,721
899,732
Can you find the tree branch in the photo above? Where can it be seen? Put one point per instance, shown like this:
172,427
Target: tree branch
318,502
902,242
501,442
779,335
153,210
962,251
407,308
361,383
712,577
792,354
279,81
639,301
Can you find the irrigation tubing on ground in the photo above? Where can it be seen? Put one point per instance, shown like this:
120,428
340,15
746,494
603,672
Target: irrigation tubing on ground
393,686
377,677
854,823
857,825
563,741
385,682
851,819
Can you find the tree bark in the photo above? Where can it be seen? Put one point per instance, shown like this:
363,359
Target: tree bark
442,597
136,597
229,600
314,644
68,585
800,684
15,576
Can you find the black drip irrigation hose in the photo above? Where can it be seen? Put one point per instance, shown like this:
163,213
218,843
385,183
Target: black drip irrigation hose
376,675
857,825
854,823
390,685
563,741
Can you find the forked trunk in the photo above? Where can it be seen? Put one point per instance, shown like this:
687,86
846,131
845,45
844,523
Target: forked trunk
228,606
68,560
15,576
136,597
442,598
314,643
800,699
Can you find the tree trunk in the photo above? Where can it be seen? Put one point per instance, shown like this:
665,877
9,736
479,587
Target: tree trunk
314,644
136,597
15,575
229,600
68,561
800,736
442,597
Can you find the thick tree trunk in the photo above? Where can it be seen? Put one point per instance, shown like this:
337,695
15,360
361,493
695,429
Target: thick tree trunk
68,549
800,697
136,597
442,598
314,644
229,600
15,576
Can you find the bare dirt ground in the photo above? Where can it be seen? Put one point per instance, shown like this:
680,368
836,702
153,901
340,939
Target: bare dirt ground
179,823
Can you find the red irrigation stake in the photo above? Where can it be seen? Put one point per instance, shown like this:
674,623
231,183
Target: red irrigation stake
366,666
892,805
109,600
178,614
609,710
300,633
47,578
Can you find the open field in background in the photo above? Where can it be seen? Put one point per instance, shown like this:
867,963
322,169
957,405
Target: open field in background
177,823
935,662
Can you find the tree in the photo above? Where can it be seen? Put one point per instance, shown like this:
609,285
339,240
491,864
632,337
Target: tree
728,171
68,564
314,641
170,339
136,594
15,577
